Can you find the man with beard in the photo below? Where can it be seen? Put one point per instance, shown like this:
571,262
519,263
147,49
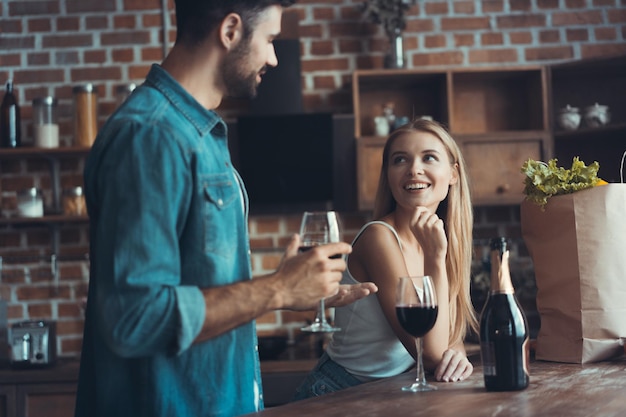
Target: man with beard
169,327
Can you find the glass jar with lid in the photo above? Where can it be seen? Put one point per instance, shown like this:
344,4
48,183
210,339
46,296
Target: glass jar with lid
45,125
85,114
74,202
30,202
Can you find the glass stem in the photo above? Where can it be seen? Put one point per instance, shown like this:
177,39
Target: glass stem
421,378
321,315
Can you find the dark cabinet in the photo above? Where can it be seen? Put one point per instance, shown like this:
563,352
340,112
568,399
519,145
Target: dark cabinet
7,401
42,392
46,400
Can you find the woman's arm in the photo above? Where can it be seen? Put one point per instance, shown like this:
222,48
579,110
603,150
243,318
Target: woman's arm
376,257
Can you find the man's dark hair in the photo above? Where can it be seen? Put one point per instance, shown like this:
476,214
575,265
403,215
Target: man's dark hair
195,19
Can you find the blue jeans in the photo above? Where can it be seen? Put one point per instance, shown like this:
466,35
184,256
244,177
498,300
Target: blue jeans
327,376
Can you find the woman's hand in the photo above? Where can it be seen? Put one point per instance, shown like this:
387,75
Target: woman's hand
429,230
454,366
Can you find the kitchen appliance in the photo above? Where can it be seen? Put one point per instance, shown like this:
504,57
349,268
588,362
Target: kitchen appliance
33,344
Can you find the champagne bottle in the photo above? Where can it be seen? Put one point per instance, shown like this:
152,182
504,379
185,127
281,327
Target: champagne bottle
504,344
10,132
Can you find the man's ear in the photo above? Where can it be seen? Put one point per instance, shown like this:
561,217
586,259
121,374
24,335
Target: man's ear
231,30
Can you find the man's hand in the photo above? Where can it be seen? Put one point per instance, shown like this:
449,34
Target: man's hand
348,294
302,279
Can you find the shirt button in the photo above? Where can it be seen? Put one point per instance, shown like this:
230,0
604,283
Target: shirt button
220,202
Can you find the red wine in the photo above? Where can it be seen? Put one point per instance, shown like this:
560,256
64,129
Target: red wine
306,248
504,343
416,320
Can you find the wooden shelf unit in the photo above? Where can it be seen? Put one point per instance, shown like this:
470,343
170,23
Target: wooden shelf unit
53,219
499,117
582,84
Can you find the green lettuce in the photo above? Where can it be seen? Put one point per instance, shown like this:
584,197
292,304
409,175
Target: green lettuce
545,180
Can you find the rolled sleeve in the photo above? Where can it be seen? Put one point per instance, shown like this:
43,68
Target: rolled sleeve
142,295
189,298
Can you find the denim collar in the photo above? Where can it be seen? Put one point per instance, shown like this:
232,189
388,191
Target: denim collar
203,120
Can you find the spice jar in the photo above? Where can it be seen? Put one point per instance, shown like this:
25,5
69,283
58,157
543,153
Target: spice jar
45,126
74,202
30,203
85,114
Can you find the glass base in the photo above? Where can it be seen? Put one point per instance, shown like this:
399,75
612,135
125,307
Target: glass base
419,388
320,328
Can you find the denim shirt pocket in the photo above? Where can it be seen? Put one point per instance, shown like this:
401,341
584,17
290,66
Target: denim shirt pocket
221,207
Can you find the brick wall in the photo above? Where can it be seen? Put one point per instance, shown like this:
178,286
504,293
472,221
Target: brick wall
49,46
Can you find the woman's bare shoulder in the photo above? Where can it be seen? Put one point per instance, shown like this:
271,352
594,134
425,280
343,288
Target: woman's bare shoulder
377,238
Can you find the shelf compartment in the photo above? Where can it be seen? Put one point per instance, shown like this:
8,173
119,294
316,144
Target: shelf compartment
494,162
583,83
604,145
498,100
414,93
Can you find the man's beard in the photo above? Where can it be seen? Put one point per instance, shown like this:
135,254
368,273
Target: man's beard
239,84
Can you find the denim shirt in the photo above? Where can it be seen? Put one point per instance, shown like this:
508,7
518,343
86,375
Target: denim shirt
168,216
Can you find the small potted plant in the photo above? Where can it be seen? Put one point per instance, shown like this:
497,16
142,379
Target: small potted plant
391,15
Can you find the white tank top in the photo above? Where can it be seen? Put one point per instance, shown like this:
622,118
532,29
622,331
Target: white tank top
366,346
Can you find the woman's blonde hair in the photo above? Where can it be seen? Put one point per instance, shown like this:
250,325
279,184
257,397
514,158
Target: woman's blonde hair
457,214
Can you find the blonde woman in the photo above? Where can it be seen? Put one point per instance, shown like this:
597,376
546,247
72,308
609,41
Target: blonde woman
423,226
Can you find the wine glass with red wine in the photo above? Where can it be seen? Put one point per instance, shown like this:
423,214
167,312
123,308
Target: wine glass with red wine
319,228
416,308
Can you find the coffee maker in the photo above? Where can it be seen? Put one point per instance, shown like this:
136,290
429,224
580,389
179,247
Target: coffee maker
33,344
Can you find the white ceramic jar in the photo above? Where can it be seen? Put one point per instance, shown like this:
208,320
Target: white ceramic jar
597,115
568,118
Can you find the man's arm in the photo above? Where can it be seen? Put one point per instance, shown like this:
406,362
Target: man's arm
300,281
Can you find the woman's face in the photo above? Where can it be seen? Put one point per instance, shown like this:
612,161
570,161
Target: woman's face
419,170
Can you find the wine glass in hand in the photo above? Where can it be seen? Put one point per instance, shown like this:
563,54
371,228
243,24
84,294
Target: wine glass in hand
319,228
416,308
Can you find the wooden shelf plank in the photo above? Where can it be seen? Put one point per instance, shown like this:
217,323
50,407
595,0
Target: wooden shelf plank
48,219
42,152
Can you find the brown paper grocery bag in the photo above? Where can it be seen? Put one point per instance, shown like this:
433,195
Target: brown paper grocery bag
578,247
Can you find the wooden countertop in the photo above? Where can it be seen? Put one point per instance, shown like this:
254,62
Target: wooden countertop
64,370
556,389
